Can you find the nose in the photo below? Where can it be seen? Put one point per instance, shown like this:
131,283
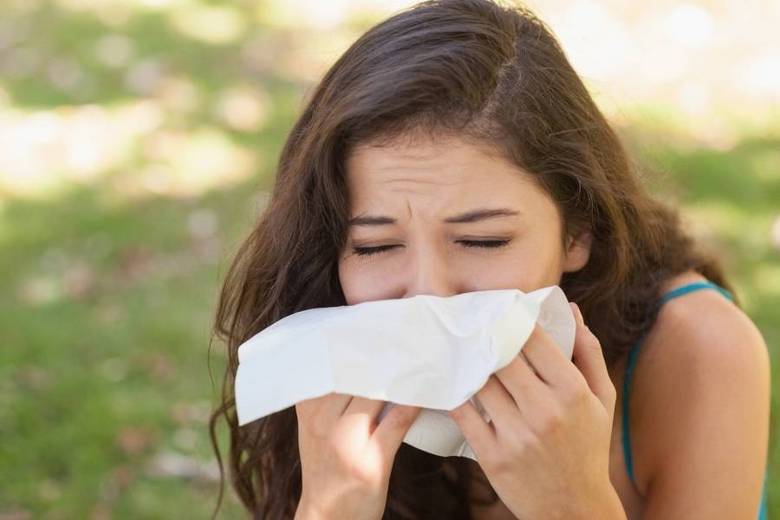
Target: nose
428,273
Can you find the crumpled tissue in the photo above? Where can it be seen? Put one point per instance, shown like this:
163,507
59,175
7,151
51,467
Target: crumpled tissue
429,351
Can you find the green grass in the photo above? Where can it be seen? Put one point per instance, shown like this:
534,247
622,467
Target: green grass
125,359
106,302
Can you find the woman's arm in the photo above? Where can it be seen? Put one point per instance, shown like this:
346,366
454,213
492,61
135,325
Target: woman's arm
701,413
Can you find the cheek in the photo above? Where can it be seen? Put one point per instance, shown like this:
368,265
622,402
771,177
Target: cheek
346,281
362,282
499,272
531,265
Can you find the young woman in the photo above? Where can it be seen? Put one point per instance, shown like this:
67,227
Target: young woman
453,148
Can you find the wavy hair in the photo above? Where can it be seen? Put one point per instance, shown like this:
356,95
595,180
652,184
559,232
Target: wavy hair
483,71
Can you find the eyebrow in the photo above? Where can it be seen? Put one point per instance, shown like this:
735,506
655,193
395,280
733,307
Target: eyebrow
464,218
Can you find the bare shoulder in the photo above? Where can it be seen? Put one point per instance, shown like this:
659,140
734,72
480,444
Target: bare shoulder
703,326
703,368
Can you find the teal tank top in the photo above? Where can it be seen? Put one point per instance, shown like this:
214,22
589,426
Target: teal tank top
632,357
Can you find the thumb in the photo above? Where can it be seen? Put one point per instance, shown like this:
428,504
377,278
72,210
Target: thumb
589,359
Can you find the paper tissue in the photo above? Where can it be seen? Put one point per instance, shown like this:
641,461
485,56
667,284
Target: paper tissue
429,351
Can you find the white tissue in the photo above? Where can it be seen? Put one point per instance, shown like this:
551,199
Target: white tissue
429,351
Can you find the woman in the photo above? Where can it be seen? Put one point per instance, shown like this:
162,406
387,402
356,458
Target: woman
453,148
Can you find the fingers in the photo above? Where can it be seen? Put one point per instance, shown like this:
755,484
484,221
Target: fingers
355,418
364,405
501,405
546,359
527,389
589,359
325,409
393,427
363,412
479,434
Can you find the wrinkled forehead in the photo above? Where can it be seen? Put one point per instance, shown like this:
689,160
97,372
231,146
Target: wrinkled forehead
441,162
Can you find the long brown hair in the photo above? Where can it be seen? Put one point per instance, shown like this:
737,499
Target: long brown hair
484,71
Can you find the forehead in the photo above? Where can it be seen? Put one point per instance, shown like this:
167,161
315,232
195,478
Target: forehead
445,165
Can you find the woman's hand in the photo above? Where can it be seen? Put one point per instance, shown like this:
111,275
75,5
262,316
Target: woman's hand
346,458
546,449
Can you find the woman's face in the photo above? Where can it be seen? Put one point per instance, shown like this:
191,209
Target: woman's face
448,217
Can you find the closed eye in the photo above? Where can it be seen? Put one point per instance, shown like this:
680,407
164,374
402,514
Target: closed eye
368,251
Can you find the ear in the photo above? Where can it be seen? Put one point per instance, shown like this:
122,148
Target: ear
577,251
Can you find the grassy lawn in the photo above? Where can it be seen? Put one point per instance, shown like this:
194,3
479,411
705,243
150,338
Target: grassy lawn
107,296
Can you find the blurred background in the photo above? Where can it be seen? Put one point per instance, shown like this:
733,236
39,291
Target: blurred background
137,146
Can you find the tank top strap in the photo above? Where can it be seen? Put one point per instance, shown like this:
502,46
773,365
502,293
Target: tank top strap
633,354
694,286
